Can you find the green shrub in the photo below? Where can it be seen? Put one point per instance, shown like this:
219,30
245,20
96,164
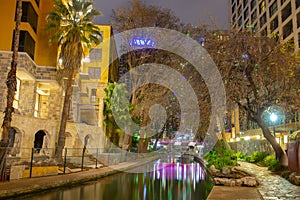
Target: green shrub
247,158
268,160
275,166
240,155
220,158
257,156
286,174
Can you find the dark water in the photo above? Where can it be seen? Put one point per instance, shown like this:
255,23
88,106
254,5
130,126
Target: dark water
168,180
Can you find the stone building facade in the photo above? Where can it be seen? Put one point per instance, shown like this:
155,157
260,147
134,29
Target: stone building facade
39,97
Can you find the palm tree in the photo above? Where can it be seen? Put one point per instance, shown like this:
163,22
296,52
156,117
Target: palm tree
71,23
11,88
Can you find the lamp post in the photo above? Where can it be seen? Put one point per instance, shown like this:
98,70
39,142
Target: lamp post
273,118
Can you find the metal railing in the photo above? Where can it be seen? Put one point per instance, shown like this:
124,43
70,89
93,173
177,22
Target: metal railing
32,162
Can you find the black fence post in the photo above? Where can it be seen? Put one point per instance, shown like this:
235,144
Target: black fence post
108,157
31,161
65,160
82,157
96,158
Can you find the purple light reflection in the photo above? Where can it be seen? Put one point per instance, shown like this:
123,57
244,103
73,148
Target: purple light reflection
192,172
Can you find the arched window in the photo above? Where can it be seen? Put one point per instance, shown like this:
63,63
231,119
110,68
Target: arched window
38,140
11,137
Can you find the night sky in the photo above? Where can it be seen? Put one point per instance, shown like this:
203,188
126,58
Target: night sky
189,11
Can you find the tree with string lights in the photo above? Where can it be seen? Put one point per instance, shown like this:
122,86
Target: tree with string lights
260,74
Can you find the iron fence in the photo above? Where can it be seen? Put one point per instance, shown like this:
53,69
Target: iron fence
32,162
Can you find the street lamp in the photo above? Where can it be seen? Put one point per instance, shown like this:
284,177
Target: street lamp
273,118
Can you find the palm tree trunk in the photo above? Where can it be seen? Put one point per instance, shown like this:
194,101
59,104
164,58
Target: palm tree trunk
64,118
11,89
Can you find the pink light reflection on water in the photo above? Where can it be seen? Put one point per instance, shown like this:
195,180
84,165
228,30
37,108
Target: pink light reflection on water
191,172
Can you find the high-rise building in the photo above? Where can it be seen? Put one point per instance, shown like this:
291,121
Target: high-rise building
279,17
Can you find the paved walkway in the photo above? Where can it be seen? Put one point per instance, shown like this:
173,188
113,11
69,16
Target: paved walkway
272,186
234,193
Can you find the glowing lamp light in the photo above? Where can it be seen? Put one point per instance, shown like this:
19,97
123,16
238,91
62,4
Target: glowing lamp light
60,61
87,60
285,139
141,42
273,117
247,138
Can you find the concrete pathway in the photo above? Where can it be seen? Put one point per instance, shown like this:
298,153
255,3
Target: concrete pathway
272,186
234,193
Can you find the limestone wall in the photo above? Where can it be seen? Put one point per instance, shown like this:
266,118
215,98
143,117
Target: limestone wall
27,98
27,127
40,80
55,104
247,147
4,67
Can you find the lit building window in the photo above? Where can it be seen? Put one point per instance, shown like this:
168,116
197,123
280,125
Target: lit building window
36,106
17,95
262,7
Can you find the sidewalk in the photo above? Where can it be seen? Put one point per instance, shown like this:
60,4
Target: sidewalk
233,193
271,187
26,186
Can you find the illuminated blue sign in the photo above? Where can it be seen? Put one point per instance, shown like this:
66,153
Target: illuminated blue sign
141,42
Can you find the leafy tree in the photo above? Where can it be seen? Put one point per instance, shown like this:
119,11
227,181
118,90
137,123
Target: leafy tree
11,83
259,73
139,15
113,132
72,27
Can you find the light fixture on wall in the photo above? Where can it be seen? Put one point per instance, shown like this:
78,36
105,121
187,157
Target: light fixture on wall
285,139
60,63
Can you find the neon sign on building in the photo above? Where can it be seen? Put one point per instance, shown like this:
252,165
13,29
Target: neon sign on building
141,42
